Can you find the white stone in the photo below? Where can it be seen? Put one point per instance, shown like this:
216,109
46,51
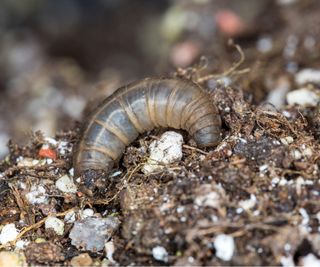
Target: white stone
211,199
160,254
264,44
308,76
109,248
303,97
248,203
21,244
296,154
307,152
305,216
66,184
86,213
286,140
27,162
70,217
92,233
166,150
310,261
287,261
37,195
8,233
224,245
263,167
71,172
56,224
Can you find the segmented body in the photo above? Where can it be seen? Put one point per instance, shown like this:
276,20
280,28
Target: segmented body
143,106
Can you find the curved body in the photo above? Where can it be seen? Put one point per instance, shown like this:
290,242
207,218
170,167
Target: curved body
143,106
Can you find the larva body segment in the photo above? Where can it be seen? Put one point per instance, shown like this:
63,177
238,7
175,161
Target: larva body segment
140,107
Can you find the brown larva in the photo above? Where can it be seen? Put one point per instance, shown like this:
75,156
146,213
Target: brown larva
142,106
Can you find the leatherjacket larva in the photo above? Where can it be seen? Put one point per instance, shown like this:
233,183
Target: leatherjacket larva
142,106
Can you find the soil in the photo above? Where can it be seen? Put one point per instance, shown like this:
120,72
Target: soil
260,185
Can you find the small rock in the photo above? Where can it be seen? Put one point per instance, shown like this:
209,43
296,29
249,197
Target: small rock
109,248
308,76
264,44
309,261
212,199
81,260
92,233
209,197
224,245
37,195
21,244
55,224
287,140
296,154
44,252
160,254
277,96
248,203
12,259
86,213
70,217
8,233
166,150
66,184
28,162
303,97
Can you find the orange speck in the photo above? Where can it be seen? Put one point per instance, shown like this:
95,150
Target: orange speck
229,22
47,153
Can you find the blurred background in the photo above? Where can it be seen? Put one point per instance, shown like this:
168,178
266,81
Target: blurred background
58,55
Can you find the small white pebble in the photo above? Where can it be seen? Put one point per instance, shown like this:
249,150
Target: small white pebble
109,248
160,254
116,173
287,261
308,76
56,224
275,180
166,150
283,181
211,199
263,168
303,97
21,244
71,172
180,209
37,195
239,210
70,217
287,247
8,233
286,140
304,215
307,152
49,161
264,44
66,184
310,261
248,203
296,154
224,245
86,213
